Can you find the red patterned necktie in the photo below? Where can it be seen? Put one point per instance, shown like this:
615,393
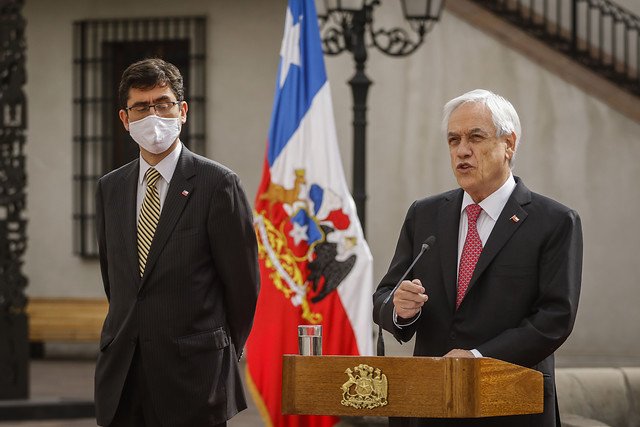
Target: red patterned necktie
470,252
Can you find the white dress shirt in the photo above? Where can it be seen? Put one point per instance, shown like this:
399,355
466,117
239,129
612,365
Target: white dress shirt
166,168
491,208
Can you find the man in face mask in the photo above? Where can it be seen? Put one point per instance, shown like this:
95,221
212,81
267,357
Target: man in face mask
179,266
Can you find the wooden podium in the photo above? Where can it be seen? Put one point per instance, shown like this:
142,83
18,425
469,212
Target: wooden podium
426,387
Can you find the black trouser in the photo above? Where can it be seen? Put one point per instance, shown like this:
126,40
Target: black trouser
135,408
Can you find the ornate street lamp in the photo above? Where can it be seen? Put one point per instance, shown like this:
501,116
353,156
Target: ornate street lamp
347,25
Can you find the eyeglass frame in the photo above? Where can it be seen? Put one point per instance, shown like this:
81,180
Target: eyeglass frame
149,106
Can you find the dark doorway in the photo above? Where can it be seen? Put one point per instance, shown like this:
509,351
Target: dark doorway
102,49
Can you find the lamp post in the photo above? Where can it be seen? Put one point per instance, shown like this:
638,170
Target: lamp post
348,25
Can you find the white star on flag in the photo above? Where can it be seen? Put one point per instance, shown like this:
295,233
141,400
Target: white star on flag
290,49
299,233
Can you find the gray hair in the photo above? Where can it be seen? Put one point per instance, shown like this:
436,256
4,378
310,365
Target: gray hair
505,118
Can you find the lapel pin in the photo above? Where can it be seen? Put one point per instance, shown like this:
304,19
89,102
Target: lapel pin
185,193
514,218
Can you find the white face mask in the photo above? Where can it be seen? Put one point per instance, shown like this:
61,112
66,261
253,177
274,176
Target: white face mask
155,134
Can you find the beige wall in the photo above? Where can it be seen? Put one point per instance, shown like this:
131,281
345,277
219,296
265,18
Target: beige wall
631,5
575,149
243,41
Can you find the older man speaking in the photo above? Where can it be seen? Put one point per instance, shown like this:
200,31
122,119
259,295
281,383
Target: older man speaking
503,278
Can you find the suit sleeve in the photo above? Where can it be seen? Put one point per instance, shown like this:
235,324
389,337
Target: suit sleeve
233,242
102,240
401,261
554,312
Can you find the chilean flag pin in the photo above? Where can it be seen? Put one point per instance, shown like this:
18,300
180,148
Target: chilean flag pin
513,218
185,193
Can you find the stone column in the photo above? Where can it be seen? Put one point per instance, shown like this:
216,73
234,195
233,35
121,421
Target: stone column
14,343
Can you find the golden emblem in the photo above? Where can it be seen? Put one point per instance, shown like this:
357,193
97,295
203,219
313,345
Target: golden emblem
366,388
290,268
285,272
277,193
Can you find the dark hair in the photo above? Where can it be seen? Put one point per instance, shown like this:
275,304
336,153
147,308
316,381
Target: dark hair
146,75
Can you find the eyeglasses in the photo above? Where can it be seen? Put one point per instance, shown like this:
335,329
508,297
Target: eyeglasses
161,108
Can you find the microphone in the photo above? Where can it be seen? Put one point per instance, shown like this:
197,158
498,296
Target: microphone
426,245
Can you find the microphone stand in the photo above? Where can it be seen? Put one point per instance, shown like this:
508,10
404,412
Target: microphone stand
380,343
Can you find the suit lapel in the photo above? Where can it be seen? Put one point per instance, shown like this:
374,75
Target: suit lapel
504,229
178,194
448,225
130,228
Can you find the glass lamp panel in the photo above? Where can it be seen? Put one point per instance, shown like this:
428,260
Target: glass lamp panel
322,9
435,9
348,4
331,4
422,9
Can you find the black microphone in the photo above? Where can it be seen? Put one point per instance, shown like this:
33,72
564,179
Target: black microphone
426,245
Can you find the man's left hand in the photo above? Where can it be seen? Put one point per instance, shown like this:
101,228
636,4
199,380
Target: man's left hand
456,352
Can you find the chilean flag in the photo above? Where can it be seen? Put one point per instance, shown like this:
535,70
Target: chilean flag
315,265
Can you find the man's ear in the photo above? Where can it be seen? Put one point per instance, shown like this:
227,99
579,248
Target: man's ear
124,118
184,107
511,145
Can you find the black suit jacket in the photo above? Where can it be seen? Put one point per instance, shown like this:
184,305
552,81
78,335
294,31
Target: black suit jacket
522,298
191,312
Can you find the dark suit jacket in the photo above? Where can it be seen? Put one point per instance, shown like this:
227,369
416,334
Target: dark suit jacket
523,296
191,312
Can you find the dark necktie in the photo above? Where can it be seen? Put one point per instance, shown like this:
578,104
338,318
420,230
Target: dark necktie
149,217
470,252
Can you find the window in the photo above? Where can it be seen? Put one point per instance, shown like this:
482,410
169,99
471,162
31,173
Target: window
102,50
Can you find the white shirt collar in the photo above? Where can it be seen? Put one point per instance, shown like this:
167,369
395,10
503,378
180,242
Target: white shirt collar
166,167
493,204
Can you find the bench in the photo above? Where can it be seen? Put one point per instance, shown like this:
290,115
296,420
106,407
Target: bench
66,319
599,397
